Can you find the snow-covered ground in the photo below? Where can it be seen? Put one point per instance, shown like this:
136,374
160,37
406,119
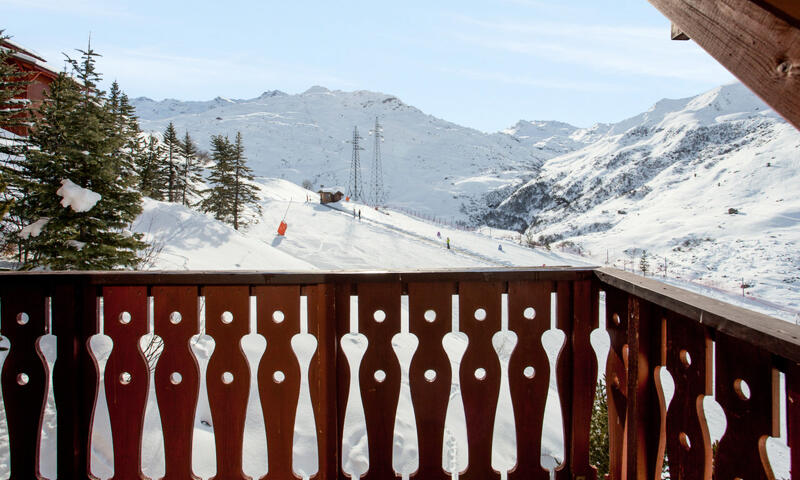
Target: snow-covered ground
323,237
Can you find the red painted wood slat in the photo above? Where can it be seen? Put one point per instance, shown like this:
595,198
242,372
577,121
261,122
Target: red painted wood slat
379,397
228,401
480,395
751,411
24,377
529,394
342,312
322,376
278,321
127,376
177,375
430,310
689,361
616,377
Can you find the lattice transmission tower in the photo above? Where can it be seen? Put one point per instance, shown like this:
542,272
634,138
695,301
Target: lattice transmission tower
378,196
354,189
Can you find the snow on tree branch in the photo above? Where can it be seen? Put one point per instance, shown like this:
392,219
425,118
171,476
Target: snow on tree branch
79,198
34,229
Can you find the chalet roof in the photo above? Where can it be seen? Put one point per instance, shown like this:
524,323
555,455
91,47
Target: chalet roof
28,56
331,190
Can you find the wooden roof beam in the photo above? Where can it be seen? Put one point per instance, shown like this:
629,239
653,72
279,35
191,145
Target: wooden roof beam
757,40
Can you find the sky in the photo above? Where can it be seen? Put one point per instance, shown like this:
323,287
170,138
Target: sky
482,64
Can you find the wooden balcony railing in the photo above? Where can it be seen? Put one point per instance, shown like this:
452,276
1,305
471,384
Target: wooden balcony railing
652,326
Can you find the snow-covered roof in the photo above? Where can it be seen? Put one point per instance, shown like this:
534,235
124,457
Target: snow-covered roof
26,55
331,190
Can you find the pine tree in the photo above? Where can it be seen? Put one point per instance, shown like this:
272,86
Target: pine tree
217,197
598,430
171,147
231,191
149,160
83,136
244,193
644,264
14,113
191,170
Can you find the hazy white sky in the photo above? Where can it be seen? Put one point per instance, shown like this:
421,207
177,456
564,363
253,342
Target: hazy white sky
483,64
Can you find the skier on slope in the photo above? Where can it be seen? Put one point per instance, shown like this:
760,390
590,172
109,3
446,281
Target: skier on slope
439,235
448,243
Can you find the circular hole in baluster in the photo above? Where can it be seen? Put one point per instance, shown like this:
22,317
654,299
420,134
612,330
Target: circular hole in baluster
684,441
175,318
615,319
380,376
379,316
686,359
430,375
430,316
278,377
480,314
175,378
742,389
227,378
480,373
529,313
226,317
125,378
22,379
22,318
124,318
278,316
529,372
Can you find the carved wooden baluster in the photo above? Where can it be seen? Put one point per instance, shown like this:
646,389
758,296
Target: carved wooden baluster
793,416
576,313
322,376
616,378
480,388
127,376
228,375
689,362
644,441
379,391
24,376
279,373
529,318
747,389
177,375
430,307
342,312
75,375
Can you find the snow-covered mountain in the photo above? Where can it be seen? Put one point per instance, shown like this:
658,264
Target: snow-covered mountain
429,164
662,181
706,184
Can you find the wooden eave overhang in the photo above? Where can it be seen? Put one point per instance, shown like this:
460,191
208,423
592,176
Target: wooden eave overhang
756,40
